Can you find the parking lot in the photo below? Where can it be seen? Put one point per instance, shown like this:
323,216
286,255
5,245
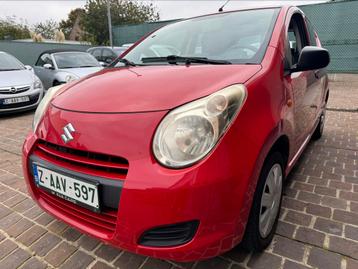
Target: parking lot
318,225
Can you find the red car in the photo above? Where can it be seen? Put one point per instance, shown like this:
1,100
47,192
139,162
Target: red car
183,155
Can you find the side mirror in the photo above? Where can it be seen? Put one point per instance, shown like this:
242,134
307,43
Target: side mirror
48,66
312,58
103,64
29,67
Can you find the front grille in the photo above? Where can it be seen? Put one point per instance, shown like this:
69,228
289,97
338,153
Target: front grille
14,90
33,100
104,222
97,164
170,235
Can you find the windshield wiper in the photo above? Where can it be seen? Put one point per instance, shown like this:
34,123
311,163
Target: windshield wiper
174,59
122,60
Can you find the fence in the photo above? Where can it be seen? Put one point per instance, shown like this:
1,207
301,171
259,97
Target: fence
131,33
28,52
337,26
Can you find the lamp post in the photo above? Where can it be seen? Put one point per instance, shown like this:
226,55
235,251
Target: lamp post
109,22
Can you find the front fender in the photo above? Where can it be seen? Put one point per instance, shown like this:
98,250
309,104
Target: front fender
60,76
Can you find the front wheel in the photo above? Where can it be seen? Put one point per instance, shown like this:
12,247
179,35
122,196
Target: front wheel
319,129
266,205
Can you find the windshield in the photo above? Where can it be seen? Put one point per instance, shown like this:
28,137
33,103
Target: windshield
75,60
238,37
9,63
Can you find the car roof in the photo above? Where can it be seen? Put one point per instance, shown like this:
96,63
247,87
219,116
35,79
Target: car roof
59,50
273,6
106,47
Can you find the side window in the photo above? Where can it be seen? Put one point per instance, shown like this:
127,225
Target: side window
311,33
96,53
108,54
296,39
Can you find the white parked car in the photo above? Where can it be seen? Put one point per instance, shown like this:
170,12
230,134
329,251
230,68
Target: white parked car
20,88
55,67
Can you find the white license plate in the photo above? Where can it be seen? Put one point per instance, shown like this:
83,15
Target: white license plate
16,100
68,188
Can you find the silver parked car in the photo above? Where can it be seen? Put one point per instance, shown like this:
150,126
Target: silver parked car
55,67
20,88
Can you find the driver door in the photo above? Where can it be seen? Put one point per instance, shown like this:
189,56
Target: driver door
45,75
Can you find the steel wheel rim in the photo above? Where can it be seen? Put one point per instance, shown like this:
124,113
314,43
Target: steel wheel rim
270,200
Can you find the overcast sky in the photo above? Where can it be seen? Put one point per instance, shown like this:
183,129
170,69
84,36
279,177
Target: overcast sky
37,11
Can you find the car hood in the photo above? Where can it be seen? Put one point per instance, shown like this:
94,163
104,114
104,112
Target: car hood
16,78
81,72
149,88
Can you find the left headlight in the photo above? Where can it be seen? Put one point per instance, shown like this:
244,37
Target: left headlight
37,83
41,108
188,133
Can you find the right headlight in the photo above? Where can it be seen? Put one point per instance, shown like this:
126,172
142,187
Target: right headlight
188,133
41,108
37,83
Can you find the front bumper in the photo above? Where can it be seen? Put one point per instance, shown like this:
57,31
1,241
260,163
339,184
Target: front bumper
213,192
35,96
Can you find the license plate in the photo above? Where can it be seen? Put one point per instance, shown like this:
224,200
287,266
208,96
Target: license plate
71,189
16,100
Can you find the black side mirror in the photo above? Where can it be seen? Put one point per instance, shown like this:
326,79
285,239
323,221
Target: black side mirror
312,58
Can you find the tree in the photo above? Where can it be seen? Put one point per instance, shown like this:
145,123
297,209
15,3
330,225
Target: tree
95,22
74,20
10,29
47,29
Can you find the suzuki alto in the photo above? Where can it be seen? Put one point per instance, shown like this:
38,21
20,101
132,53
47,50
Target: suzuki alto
179,150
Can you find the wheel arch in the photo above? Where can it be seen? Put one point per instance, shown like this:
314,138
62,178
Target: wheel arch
282,145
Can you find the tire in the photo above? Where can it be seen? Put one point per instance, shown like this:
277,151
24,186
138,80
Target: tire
318,132
259,233
56,83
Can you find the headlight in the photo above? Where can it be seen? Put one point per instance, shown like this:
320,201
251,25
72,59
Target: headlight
188,133
70,78
41,108
37,83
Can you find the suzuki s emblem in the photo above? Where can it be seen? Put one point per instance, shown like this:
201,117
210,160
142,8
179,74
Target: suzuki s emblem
67,136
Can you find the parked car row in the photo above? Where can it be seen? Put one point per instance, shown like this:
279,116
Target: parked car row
22,87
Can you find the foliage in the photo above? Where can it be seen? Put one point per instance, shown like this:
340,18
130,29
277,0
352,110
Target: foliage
95,22
74,16
10,29
47,29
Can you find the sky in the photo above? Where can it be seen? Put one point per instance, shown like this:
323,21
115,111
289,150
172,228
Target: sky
32,12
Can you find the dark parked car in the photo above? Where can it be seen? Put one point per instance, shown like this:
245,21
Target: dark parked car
106,55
